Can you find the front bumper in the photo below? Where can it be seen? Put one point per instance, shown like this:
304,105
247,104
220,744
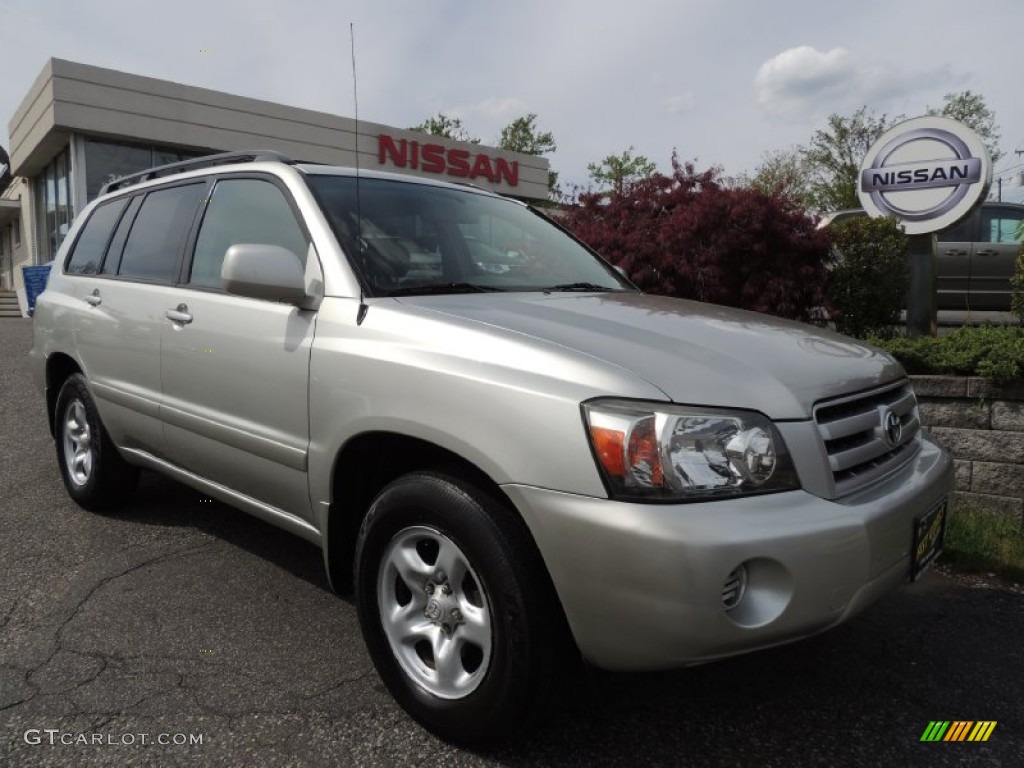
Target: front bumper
641,584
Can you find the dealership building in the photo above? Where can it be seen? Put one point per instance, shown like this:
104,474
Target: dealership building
80,126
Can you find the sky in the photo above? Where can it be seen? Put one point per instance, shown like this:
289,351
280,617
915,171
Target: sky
721,82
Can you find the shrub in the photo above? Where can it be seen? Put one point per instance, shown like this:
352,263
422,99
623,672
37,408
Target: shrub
869,279
690,235
1017,298
996,352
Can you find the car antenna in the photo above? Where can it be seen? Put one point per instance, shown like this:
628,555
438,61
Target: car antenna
361,312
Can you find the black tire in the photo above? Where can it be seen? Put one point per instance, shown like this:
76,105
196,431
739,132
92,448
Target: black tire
94,473
528,641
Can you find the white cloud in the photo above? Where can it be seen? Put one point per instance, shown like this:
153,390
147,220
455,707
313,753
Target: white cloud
803,82
679,103
790,81
492,108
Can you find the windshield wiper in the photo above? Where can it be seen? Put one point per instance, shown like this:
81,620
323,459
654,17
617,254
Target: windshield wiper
580,287
440,288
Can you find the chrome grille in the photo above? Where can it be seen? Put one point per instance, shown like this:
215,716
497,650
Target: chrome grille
854,436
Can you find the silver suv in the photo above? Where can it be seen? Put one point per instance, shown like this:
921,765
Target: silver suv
510,452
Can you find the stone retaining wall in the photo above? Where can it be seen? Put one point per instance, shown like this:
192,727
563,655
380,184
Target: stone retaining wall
983,426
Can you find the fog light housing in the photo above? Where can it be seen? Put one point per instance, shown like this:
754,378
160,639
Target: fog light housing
734,588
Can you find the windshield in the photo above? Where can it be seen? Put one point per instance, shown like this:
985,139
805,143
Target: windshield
407,238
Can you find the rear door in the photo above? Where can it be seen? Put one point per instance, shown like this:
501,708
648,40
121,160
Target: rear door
953,264
125,264
994,256
236,369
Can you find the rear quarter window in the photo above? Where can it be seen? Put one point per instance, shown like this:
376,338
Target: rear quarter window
87,256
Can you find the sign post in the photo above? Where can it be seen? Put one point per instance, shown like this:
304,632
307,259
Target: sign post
929,173
922,312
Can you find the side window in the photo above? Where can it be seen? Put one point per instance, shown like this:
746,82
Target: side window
116,247
163,221
962,232
243,211
999,225
87,255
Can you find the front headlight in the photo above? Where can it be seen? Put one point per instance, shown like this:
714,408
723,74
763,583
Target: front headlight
661,452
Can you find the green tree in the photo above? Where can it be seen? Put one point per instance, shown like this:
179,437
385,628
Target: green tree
970,109
870,277
446,127
835,154
1017,280
620,172
523,135
783,172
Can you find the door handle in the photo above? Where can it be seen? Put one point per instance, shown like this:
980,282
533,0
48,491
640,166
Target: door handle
93,299
955,253
986,252
179,315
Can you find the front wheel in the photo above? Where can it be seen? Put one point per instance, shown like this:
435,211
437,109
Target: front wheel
457,613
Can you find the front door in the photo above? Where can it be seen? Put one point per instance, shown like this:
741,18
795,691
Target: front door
235,370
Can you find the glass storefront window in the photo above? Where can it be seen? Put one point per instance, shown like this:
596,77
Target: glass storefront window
108,160
104,161
39,210
166,156
53,206
62,167
52,235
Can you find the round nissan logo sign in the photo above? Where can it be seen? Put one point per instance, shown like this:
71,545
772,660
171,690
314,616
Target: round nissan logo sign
928,172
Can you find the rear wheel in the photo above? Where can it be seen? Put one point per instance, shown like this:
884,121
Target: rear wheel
94,473
457,614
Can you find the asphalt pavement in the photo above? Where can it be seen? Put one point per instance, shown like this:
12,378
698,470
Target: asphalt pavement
182,620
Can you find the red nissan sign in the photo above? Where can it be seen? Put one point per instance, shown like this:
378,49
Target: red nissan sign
435,158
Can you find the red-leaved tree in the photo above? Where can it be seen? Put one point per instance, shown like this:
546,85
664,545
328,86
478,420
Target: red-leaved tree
689,235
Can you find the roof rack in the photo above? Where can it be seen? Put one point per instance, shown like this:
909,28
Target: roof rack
196,163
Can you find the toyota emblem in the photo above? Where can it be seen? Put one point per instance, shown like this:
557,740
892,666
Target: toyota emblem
433,610
892,427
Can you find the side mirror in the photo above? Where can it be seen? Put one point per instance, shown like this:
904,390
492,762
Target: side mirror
263,272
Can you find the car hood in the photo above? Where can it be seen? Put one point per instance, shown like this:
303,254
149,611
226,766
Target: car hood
696,353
